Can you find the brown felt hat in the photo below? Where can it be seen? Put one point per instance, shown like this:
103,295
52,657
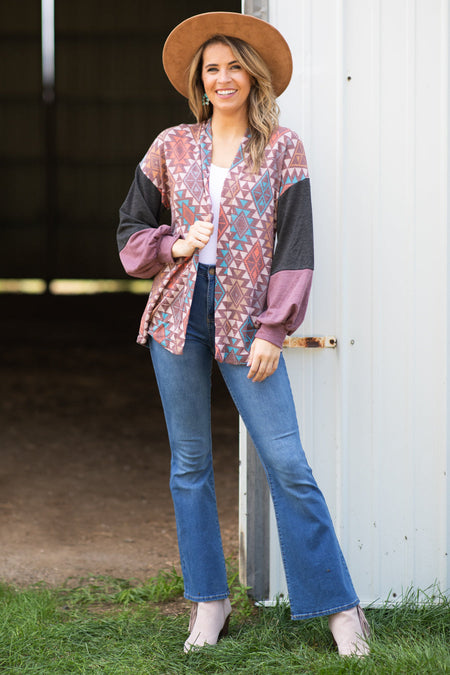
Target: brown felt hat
184,41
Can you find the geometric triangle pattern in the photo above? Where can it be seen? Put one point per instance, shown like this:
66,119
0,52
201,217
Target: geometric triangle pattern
178,165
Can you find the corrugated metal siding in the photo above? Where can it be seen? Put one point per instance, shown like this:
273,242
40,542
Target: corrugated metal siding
370,99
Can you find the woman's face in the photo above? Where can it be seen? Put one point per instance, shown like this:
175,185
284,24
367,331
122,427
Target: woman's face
226,82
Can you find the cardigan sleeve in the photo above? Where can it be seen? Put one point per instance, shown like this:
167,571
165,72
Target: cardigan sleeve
293,260
144,240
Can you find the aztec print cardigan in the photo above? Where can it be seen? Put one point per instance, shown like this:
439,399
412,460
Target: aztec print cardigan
259,291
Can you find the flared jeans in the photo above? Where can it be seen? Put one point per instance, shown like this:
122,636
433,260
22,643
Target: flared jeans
316,573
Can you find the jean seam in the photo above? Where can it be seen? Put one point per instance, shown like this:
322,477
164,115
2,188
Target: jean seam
206,598
280,536
326,612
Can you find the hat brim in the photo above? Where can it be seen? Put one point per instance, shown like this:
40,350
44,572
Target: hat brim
185,40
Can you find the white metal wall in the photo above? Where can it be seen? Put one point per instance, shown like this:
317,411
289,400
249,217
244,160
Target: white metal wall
370,100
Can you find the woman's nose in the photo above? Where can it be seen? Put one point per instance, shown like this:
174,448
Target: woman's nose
224,75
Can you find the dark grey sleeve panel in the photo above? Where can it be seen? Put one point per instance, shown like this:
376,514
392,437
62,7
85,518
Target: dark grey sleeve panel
141,209
295,246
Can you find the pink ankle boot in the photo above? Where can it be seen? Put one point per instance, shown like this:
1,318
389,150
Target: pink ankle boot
208,623
350,631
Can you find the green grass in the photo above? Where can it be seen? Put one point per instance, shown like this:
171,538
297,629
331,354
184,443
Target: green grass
107,626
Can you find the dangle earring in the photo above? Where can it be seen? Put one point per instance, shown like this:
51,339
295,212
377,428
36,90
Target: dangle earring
205,99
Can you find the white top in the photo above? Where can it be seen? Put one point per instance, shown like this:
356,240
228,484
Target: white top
208,254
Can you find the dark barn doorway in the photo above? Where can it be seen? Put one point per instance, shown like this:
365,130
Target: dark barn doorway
85,459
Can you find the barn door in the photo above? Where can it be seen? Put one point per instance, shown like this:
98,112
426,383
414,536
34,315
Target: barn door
370,99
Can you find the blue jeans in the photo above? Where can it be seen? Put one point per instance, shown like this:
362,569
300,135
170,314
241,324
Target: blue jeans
317,576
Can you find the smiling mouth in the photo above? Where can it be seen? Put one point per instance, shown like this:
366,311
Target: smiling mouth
225,92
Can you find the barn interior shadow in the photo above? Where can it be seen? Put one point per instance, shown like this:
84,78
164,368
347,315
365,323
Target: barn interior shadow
85,457
84,452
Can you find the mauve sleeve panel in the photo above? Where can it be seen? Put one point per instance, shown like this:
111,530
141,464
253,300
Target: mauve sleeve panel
292,266
287,300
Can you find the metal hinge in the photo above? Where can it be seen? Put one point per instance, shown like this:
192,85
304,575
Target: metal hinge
328,341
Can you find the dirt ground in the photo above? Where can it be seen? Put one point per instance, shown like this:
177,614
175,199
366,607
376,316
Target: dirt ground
84,466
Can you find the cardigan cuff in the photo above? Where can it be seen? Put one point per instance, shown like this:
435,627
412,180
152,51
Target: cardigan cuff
165,249
273,334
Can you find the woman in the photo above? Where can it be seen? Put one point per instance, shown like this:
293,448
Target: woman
221,291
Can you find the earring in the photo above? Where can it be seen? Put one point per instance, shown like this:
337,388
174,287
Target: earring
205,99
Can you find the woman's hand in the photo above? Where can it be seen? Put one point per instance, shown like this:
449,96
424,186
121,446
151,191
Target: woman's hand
263,360
197,237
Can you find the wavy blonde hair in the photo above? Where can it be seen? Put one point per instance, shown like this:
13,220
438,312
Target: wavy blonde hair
263,110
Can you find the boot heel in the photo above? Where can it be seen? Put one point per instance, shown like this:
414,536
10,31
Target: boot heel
364,623
224,630
193,616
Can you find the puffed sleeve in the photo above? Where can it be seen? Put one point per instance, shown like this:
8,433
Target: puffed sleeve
145,241
293,260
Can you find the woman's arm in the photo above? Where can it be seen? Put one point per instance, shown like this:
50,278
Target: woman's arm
293,260
145,245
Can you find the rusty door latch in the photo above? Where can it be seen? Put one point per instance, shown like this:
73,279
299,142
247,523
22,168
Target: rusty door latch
328,341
